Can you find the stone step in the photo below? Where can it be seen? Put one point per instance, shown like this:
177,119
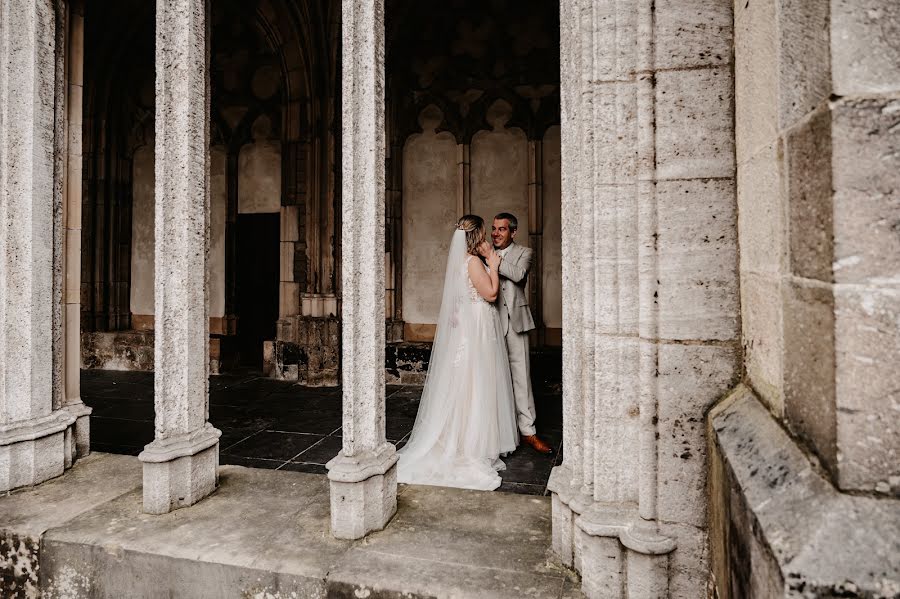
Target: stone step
265,534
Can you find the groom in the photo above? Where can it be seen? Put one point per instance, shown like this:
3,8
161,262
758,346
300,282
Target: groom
516,320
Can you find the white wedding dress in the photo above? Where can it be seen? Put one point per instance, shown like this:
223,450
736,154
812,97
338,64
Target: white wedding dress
467,416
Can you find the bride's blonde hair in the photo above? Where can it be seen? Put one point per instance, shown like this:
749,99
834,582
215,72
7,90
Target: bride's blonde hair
473,225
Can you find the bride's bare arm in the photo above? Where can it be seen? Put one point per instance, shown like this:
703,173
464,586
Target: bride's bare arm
487,284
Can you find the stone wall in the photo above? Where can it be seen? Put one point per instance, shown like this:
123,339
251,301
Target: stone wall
430,189
778,527
817,108
142,237
817,190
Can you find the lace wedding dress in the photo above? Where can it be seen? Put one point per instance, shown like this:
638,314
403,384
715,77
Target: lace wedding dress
467,416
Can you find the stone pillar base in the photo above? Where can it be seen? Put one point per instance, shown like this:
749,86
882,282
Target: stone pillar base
179,471
618,554
363,492
81,432
32,451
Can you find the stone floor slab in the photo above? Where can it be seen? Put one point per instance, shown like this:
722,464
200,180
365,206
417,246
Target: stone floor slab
97,479
252,412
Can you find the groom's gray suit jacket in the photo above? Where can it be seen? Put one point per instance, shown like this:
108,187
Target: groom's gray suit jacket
513,304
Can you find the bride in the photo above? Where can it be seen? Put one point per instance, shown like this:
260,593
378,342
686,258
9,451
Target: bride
467,416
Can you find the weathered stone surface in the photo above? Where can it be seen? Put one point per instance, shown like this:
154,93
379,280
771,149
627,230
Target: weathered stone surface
174,474
121,350
96,543
761,221
865,56
698,262
482,535
431,184
807,149
27,514
694,126
783,530
756,77
808,365
867,350
33,433
308,351
689,563
611,56
363,491
762,320
642,265
365,454
803,59
692,379
866,177
693,33
206,554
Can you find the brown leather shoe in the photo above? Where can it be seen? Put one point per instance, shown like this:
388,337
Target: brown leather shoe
536,444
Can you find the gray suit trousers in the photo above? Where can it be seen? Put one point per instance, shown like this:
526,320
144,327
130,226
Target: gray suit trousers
520,369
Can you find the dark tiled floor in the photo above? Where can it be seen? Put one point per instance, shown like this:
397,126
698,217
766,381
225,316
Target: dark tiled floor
281,425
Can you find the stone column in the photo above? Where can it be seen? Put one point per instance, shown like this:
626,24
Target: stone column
33,435
364,475
180,465
72,222
650,294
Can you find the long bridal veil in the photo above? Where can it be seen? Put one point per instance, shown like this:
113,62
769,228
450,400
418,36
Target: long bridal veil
466,417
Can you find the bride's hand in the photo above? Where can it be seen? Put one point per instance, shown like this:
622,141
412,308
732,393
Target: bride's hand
485,249
493,260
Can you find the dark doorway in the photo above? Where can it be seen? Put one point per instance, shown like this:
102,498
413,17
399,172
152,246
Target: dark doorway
256,284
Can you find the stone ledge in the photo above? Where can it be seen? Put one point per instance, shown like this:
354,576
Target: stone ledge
778,528
265,533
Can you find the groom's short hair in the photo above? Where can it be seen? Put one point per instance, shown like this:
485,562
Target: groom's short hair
513,221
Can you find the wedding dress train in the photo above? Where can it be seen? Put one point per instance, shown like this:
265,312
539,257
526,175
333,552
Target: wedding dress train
467,416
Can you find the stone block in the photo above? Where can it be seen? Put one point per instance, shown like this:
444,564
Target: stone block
286,264
697,260
290,223
648,576
612,110
763,341
803,60
809,197
694,124
867,352
32,461
180,471
358,508
866,177
616,425
865,57
612,28
689,563
563,531
691,379
693,33
809,400
761,226
756,76
602,565
288,299
786,532
82,436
